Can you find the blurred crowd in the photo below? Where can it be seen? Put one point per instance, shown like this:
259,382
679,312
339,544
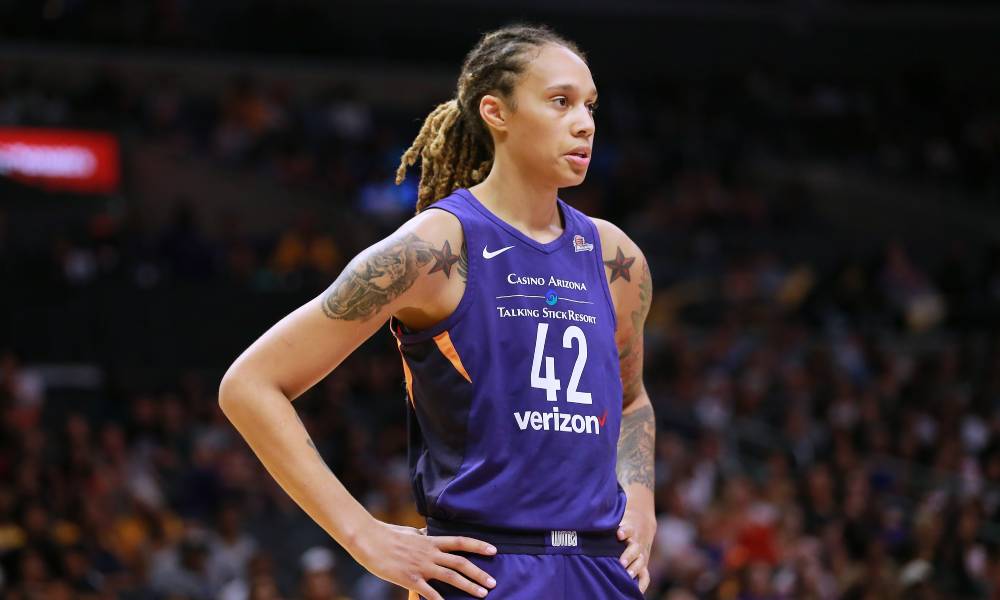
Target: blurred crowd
917,129
921,126
828,413
160,498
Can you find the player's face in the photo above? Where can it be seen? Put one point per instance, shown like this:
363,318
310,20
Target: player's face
555,98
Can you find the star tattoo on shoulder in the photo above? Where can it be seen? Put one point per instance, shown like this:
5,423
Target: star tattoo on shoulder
619,266
443,259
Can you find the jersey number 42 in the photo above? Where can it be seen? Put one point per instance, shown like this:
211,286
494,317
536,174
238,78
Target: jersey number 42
550,383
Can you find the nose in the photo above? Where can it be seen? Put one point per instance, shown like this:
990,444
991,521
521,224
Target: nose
584,126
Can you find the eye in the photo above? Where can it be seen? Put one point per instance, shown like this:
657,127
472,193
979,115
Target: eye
592,107
561,99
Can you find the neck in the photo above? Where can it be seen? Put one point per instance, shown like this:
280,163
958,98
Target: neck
527,205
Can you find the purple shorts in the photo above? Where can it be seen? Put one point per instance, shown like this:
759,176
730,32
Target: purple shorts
546,566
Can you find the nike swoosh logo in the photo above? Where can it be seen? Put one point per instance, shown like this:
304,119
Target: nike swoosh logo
488,255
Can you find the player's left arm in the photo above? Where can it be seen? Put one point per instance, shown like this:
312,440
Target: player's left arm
631,286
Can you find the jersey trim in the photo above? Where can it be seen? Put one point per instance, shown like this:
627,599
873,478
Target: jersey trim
547,247
406,373
443,341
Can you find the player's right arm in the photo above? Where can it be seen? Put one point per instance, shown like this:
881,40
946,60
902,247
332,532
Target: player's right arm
413,274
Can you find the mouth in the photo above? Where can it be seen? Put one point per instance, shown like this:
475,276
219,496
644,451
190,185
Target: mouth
578,158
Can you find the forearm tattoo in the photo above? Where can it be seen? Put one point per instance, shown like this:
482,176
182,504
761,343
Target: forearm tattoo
310,442
635,448
378,277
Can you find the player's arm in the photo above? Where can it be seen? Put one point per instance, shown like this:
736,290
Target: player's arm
631,288
402,274
632,292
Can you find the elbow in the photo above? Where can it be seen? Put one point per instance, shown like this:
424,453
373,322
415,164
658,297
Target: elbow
230,392
239,392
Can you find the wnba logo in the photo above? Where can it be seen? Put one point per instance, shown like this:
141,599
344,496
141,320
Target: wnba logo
564,538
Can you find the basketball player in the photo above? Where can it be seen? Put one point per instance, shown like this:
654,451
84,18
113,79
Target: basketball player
519,323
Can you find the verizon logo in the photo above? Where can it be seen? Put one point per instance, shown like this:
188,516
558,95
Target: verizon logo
557,421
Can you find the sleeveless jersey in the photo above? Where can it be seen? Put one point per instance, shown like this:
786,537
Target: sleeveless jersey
515,399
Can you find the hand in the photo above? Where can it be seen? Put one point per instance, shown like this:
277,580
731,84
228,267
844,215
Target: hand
409,558
639,530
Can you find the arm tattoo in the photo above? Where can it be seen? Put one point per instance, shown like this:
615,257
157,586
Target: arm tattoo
638,434
620,266
443,259
310,442
645,297
630,364
635,448
376,278
630,355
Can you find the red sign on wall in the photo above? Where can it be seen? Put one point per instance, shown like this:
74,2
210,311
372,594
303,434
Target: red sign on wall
77,161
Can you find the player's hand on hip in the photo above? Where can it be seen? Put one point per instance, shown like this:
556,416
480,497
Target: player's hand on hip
410,558
638,530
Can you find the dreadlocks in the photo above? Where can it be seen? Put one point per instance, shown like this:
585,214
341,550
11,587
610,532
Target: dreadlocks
454,145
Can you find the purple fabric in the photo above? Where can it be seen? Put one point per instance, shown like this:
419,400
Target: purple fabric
552,577
503,450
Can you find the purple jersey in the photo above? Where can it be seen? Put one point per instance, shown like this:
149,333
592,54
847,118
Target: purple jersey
515,399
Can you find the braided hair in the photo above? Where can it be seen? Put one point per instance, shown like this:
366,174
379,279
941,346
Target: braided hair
454,145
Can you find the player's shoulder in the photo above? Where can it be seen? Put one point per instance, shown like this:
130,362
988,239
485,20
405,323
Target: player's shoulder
423,236
433,225
614,239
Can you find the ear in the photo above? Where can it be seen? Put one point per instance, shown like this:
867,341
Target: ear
494,112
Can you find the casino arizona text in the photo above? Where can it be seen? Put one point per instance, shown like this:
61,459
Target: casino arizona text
553,281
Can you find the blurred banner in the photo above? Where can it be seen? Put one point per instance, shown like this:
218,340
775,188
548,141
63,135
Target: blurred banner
62,160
